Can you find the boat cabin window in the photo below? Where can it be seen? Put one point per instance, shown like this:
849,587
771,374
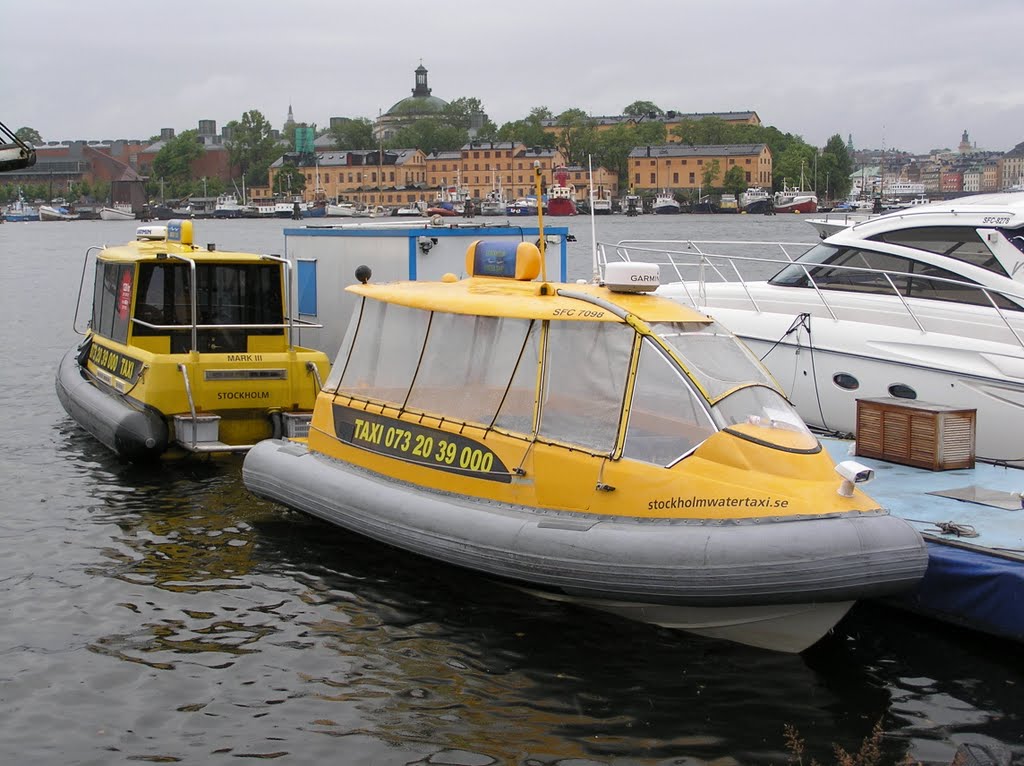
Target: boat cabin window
585,382
473,384
112,300
667,418
385,352
1015,237
960,242
762,414
861,271
715,359
226,294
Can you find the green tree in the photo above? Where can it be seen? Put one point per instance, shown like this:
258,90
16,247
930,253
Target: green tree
173,162
354,133
529,131
643,109
735,180
612,146
429,134
462,112
794,166
290,180
577,136
252,147
834,168
710,174
29,135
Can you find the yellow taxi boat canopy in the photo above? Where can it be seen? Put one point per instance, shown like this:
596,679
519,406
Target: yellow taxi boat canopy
506,270
176,238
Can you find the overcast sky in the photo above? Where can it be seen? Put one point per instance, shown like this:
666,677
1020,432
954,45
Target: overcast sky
904,74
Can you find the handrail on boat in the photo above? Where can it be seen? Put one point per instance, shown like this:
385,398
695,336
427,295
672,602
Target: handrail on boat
192,287
288,293
191,403
81,287
694,256
275,326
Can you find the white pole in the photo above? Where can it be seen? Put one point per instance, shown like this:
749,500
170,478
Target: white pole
593,226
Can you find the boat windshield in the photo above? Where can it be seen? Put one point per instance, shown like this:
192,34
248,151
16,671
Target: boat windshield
232,294
962,243
763,415
858,270
714,358
795,275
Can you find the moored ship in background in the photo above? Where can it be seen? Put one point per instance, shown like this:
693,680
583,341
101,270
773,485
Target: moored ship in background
561,195
755,200
795,201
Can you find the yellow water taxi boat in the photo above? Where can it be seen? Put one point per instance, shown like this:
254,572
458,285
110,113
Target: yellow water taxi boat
590,443
188,350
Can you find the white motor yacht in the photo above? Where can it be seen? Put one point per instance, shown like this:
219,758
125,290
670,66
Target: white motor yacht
925,303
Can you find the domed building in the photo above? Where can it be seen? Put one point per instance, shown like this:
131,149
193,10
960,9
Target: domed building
409,109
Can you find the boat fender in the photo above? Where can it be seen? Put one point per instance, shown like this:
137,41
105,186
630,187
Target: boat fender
83,352
276,424
363,274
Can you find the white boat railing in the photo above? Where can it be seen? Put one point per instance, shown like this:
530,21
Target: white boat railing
693,267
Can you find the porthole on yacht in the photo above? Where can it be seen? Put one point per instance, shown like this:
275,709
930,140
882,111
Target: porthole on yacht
846,381
901,391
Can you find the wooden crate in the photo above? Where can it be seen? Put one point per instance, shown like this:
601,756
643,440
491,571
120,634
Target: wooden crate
915,433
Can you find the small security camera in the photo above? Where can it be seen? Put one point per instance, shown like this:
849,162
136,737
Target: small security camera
853,473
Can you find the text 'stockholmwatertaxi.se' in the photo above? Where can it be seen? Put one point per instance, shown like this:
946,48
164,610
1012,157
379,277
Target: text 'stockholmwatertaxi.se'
188,350
590,443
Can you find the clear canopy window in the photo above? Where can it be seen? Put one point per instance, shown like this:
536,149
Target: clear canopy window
570,377
667,418
587,365
716,360
467,364
385,352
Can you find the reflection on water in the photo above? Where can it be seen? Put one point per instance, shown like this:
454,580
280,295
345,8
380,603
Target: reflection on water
164,614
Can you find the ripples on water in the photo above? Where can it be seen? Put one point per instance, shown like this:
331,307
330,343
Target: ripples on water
166,615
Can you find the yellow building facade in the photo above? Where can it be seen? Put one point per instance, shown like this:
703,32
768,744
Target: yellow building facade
392,177
678,167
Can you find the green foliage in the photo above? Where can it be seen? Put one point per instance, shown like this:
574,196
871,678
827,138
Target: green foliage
101,190
613,145
795,165
173,162
787,150
429,134
460,113
29,135
834,168
529,131
735,180
353,134
252,147
710,173
290,180
577,136
643,109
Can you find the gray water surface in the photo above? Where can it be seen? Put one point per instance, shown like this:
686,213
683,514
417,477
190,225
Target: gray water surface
165,615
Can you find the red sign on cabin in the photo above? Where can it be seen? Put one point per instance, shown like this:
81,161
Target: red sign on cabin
124,295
